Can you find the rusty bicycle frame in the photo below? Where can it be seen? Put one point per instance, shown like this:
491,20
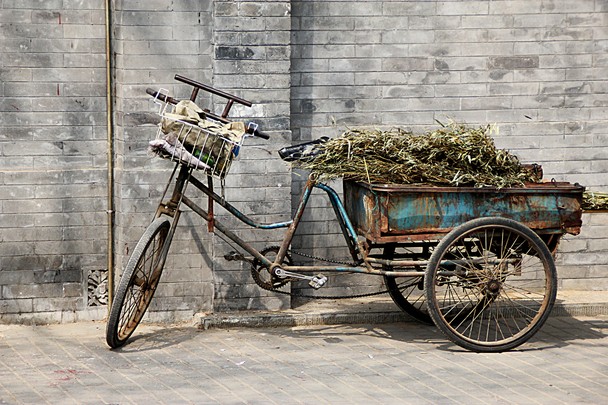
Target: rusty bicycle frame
533,205
362,262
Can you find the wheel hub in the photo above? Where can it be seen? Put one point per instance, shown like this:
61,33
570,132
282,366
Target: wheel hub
492,287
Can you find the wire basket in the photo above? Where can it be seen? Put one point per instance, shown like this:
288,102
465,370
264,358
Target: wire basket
184,137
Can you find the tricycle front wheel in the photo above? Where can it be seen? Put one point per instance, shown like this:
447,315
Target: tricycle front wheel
138,283
490,284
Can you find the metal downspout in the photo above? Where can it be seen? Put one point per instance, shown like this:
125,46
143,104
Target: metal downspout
110,149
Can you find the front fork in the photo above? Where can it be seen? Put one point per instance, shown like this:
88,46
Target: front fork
171,207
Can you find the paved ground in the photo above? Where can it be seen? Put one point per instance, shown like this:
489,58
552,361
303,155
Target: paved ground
396,363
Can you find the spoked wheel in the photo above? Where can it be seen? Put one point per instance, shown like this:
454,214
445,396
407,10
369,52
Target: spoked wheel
406,292
137,284
490,284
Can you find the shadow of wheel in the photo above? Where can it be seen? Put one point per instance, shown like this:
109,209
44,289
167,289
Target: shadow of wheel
407,292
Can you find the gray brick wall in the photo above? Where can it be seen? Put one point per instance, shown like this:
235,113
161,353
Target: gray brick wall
312,68
154,41
52,158
252,58
242,48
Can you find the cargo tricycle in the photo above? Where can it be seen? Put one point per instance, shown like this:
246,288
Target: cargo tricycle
476,262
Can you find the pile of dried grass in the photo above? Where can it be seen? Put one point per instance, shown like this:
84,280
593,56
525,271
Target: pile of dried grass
454,155
595,201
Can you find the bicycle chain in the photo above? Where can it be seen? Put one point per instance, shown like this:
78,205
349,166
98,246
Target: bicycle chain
326,297
321,258
263,285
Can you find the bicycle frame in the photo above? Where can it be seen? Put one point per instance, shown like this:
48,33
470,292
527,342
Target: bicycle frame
362,262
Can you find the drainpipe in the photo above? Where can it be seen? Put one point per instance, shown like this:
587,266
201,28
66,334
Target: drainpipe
110,149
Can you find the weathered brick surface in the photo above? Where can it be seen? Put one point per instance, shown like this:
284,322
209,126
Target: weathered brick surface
52,155
153,42
243,50
312,68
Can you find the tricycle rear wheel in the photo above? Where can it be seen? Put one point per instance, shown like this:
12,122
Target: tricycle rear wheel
407,292
490,284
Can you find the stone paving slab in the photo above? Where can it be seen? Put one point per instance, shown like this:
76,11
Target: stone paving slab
397,363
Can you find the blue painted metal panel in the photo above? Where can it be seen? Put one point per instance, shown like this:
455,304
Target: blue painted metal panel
385,212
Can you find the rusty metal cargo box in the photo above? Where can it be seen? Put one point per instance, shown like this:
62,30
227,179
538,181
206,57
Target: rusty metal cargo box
387,212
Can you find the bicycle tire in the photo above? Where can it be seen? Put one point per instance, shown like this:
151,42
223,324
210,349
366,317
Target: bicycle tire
490,284
406,292
137,284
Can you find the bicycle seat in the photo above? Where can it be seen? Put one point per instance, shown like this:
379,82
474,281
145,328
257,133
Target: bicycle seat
303,151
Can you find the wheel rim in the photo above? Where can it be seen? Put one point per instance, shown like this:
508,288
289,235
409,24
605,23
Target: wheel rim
493,286
142,285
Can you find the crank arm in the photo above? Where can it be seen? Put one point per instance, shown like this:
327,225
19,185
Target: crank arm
315,282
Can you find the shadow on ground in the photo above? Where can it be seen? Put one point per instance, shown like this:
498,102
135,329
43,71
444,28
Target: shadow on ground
557,332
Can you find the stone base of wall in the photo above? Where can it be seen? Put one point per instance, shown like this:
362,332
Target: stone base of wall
44,318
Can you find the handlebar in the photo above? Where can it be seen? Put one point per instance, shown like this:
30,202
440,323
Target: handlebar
161,96
212,90
251,127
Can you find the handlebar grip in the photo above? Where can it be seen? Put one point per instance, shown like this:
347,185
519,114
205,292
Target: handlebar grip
252,128
161,96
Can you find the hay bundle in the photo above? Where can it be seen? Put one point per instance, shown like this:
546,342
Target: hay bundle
454,155
595,201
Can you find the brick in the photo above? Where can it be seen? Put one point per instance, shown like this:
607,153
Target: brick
31,291
564,6
14,15
46,16
226,9
451,90
462,8
239,53
513,62
12,30
513,88
510,7
56,304
484,21
16,306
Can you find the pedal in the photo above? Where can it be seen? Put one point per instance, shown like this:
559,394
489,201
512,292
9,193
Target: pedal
317,281
231,256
